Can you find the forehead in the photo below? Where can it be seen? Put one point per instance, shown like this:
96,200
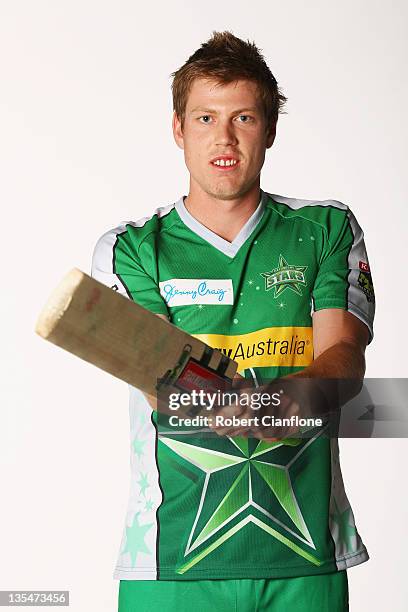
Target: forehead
209,93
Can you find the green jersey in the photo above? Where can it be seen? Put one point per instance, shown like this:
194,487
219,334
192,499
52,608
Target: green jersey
221,507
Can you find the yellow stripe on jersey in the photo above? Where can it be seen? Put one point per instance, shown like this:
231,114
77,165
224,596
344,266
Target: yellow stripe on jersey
268,347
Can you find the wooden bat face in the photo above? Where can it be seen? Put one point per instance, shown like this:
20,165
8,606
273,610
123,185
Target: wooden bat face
92,321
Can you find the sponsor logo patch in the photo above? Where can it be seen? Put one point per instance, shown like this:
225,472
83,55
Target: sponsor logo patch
188,291
271,346
285,276
365,282
363,265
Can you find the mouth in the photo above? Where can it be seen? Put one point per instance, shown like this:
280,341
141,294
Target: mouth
225,162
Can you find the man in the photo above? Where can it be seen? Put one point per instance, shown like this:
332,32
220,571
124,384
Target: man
235,522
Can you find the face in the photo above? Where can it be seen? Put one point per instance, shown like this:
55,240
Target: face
224,137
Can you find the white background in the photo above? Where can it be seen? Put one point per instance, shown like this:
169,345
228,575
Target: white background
85,143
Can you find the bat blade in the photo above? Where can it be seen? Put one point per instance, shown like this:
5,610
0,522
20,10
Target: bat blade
97,324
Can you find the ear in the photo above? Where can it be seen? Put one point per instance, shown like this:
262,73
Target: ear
177,131
270,135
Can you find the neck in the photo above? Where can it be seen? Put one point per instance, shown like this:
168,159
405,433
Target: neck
223,217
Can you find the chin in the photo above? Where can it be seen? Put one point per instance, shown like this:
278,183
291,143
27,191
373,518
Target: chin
233,195
222,192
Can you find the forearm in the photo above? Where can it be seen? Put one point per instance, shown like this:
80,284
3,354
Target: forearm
338,372
345,359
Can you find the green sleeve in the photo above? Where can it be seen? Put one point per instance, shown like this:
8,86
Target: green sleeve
116,263
344,276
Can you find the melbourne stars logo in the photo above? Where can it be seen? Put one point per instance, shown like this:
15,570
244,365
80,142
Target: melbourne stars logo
285,276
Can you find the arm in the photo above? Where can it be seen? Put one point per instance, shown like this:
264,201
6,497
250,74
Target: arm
339,340
343,311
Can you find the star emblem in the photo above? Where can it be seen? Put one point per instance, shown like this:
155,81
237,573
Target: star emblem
135,535
346,527
138,446
143,483
285,276
237,477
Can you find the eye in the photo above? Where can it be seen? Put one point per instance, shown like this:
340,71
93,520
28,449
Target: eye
205,119
245,118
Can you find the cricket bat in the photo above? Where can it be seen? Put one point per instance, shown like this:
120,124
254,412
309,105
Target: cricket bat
94,322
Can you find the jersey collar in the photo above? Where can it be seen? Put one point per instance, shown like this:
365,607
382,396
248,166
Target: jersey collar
230,249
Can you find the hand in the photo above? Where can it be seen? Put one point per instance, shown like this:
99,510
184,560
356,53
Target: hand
256,411
272,412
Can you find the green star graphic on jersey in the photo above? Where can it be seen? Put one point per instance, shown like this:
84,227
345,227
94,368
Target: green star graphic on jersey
138,446
285,276
143,483
347,530
238,495
135,535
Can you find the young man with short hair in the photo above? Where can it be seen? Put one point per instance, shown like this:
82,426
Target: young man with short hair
239,522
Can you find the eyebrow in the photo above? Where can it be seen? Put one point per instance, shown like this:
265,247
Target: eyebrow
214,112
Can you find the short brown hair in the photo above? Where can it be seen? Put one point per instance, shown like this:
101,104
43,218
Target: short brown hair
226,58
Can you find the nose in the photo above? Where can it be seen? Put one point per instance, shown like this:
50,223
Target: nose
225,134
